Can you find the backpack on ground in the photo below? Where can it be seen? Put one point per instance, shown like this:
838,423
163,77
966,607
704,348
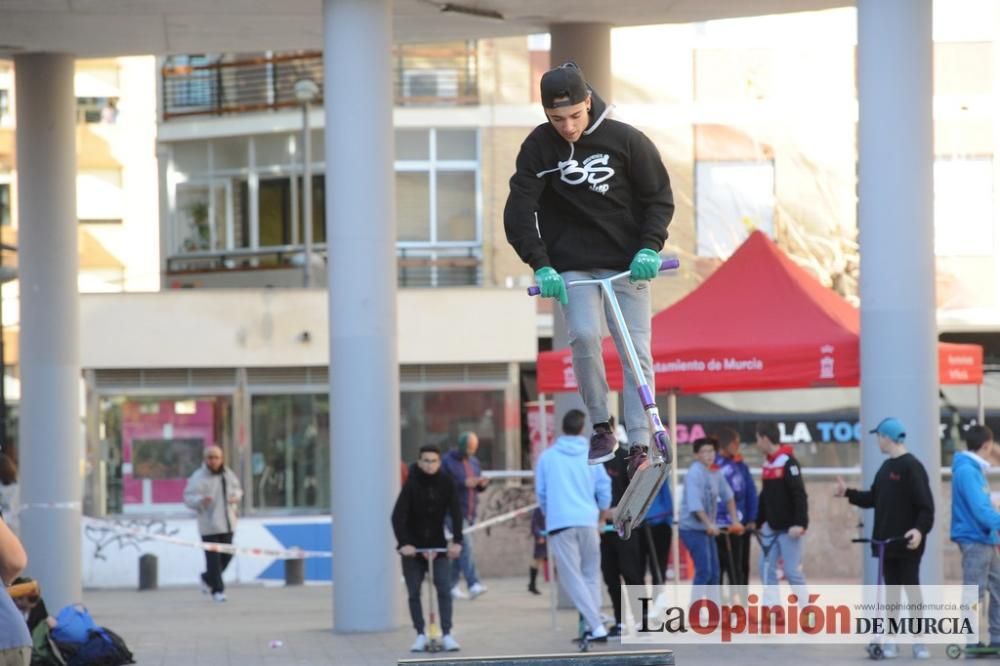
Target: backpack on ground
103,648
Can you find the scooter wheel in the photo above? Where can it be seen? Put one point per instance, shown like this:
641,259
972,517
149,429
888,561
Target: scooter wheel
584,645
875,651
953,651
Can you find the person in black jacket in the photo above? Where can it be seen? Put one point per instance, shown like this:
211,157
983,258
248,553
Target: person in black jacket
591,198
620,558
782,512
418,519
904,507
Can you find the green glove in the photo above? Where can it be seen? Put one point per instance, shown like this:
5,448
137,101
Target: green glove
551,284
645,265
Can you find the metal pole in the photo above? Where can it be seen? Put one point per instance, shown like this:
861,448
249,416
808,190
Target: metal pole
364,364
980,402
307,197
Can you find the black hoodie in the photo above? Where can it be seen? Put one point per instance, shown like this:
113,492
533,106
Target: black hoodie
598,201
423,503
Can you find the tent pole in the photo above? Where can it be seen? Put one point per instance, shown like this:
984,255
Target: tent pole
980,405
675,546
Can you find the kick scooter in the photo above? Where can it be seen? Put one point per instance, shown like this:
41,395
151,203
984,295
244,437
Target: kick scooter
875,649
653,472
433,627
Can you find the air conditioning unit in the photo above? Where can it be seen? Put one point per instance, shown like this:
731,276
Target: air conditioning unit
430,83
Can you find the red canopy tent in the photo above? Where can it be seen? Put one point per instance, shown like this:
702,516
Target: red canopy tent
759,322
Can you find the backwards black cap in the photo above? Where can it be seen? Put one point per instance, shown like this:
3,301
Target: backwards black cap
565,81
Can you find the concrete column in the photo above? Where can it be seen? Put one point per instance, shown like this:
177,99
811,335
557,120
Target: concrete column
51,430
589,46
899,374
364,372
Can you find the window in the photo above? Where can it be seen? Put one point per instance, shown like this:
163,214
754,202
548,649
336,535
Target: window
437,176
4,106
290,460
91,110
732,198
438,417
5,217
963,207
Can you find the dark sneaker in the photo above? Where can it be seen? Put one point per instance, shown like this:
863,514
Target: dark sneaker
636,459
603,445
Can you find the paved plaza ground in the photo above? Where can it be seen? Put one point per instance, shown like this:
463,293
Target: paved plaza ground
179,626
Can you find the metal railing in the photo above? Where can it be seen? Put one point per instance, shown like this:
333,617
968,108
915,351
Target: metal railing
424,75
435,266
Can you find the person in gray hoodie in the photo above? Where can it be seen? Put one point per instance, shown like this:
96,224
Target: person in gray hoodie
214,492
574,496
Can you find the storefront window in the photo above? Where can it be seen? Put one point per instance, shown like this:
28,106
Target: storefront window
437,417
291,452
152,445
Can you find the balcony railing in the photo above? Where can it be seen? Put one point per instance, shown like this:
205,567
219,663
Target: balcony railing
424,75
437,266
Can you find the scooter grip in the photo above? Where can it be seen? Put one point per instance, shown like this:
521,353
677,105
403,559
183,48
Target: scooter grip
534,290
668,264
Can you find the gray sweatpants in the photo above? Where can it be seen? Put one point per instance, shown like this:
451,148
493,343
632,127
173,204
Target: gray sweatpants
583,321
577,551
981,567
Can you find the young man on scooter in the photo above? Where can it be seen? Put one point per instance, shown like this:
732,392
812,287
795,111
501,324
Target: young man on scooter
904,506
426,499
591,198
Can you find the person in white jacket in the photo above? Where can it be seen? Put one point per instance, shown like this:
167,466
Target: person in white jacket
214,492
574,496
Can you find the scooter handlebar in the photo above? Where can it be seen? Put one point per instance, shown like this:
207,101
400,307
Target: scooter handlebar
667,264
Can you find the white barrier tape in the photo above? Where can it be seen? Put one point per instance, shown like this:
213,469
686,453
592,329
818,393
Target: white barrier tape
50,505
501,518
289,554
276,554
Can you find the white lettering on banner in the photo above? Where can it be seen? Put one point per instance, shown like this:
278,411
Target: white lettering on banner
800,433
960,360
753,364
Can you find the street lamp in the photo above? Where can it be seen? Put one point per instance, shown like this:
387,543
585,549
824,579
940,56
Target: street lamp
306,92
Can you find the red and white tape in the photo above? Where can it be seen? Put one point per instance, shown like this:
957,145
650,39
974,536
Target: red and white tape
272,553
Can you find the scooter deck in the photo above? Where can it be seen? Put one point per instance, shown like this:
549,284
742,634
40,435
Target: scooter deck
639,496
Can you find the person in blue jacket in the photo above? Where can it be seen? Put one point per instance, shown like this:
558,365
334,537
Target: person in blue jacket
736,472
574,497
974,522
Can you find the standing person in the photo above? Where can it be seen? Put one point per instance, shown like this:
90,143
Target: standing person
590,197
904,506
539,553
215,493
9,496
975,521
704,488
574,497
659,523
782,511
740,479
426,501
15,641
464,468
620,558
